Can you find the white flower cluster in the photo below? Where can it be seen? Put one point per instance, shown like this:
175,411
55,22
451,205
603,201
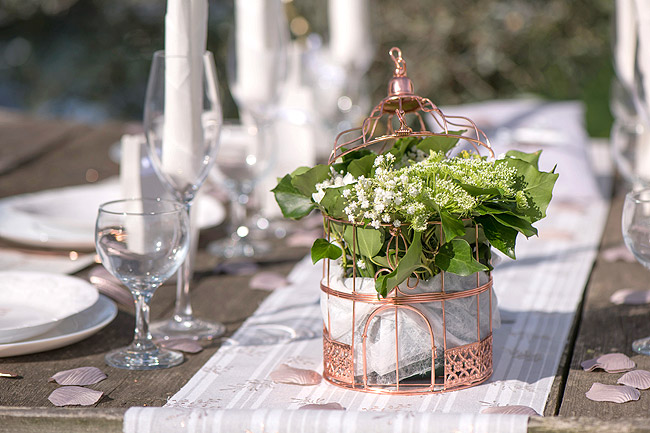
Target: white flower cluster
336,180
403,196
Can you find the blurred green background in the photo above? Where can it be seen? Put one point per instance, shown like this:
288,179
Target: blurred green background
89,59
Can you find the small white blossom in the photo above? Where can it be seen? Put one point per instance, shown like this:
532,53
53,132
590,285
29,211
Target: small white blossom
361,264
397,223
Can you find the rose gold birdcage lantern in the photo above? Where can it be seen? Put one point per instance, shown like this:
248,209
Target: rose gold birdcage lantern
407,342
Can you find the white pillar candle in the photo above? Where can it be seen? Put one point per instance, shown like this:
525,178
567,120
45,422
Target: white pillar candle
258,35
349,32
185,35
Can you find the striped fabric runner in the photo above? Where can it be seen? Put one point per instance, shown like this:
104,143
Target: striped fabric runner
538,296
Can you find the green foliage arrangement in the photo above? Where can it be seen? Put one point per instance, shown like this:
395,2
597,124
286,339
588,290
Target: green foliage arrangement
433,200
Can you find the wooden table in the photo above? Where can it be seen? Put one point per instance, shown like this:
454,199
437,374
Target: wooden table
37,154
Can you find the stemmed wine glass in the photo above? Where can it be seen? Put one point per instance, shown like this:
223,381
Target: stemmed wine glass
182,122
636,233
241,163
257,71
142,242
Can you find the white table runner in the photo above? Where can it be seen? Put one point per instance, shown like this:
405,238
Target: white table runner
538,296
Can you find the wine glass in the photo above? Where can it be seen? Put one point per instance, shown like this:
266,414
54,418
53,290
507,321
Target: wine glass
241,163
182,122
636,233
142,242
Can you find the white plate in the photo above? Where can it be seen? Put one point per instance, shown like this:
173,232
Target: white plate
74,328
33,302
65,217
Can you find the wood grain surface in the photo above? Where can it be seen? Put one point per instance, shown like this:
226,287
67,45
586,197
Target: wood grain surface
39,154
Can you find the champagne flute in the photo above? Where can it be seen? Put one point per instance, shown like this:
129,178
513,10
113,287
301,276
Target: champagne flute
636,233
182,122
142,242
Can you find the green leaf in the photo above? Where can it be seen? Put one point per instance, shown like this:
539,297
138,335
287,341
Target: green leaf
406,266
369,240
440,143
477,191
532,158
500,236
299,170
456,257
380,261
362,166
333,202
356,154
292,202
521,225
402,145
537,186
452,226
322,249
306,182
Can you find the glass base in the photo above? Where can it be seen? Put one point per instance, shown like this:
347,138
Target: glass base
642,346
192,328
241,247
267,334
143,360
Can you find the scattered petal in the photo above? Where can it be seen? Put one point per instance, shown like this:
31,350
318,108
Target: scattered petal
183,344
79,376
74,395
639,379
512,410
268,281
611,363
325,406
619,253
295,376
9,374
630,297
613,393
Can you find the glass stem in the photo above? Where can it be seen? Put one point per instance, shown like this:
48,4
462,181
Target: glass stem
183,307
142,341
238,202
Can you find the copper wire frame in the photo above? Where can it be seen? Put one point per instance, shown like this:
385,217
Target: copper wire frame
464,366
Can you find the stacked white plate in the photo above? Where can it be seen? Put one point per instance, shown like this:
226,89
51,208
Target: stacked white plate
42,311
65,217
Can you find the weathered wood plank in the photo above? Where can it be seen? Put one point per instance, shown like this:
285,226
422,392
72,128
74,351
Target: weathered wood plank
72,163
24,140
587,424
61,420
605,328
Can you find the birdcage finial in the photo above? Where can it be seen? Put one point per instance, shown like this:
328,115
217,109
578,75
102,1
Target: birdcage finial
400,84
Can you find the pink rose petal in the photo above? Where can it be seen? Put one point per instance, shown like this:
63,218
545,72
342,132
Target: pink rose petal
295,376
74,395
630,297
79,376
325,406
618,253
267,281
613,393
639,379
183,344
611,363
511,410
